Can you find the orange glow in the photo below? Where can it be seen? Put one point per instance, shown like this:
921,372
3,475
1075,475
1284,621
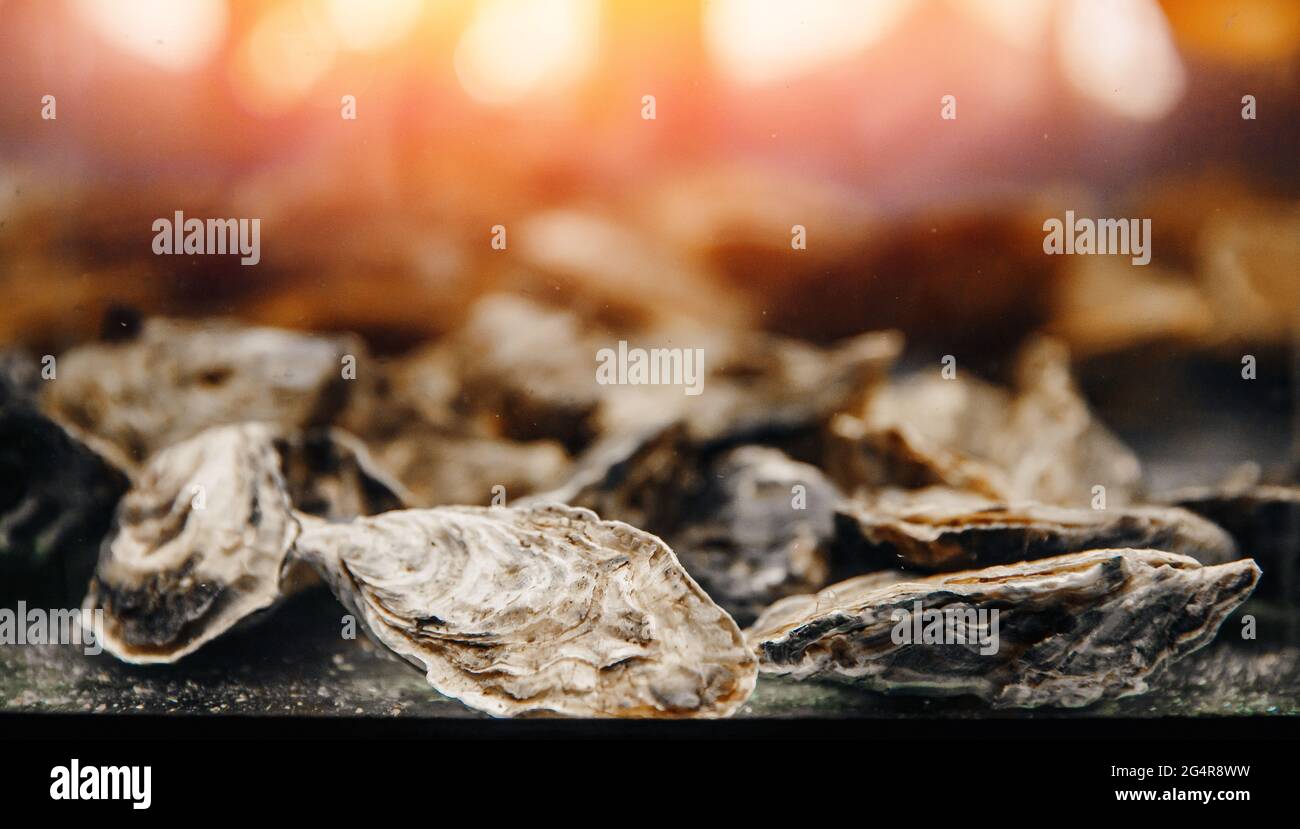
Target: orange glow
173,34
758,41
290,47
514,48
372,24
1120,54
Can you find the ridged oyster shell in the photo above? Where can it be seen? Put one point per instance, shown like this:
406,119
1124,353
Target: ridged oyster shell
200,542
202,538
758,530
542,609
1039,443
173,379
941,530
1072,630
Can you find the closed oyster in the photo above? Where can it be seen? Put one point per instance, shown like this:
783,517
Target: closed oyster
56,499
543,609
1264,520
1040,443
200,544
174,379
203,536
758,530
940,530
439,468
1070,630
644,479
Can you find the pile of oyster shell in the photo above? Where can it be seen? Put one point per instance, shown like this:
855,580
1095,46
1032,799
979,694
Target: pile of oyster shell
538,543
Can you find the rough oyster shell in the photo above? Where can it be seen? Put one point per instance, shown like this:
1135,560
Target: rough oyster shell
56,499
1041,443
1072,629
202,538
543,609
200,543
749,539
941,530
1265,522
174,379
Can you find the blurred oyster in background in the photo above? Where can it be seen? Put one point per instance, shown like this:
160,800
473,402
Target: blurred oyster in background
1039,443
170,380
940,530
56,495
758,530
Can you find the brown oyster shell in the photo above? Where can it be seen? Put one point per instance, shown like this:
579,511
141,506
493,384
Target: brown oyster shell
202,538
941,530
174,379
1040,443
534,610
1073,629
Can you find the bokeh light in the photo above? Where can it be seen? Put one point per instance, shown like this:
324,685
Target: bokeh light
758,41
1120,53
173,34
513,48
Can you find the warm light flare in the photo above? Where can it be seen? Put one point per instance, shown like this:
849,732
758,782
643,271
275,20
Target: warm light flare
514,48
173,34
372,24
1022,23
758,41
289,48
1120,53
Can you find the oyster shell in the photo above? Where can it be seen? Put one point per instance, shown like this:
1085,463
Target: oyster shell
1071,630
200,544
750,538
56,500
940,530
202,538
543,609
1040,444
439,468
174,379
1265,521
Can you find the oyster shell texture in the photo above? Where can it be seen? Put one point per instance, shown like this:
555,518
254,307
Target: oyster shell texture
534,610
1265,521
758,530
202,538
1040,443
173,379
200,542
1072,630
940,530
56,499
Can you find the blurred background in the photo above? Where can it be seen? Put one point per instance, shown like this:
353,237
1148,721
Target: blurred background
532,114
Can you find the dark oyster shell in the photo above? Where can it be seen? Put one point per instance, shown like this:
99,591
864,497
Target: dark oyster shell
941,530
56,499
1265,522
750,538
1070,631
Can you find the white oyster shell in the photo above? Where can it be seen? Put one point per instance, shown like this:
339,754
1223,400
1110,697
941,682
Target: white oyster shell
203,537
200,543
543,609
